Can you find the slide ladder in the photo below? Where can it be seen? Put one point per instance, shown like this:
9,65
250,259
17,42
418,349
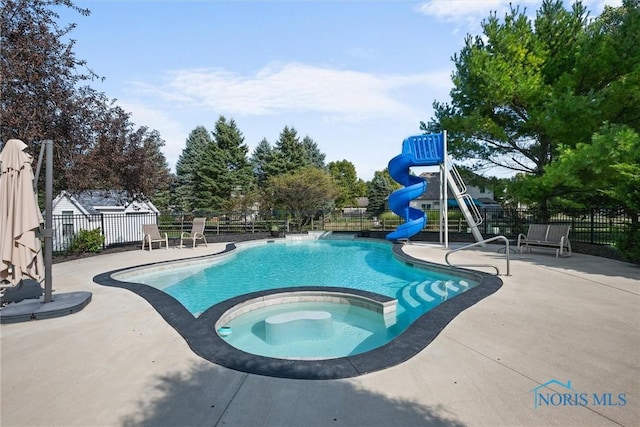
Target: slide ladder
421,150
465,201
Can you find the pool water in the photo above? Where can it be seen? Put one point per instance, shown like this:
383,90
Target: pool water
364,265
352,330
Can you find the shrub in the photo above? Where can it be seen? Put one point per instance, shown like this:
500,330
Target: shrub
87,241
629,244
389,216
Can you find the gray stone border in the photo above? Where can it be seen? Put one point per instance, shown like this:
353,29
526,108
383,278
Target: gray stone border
200,334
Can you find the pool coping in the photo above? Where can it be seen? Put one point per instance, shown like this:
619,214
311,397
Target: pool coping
384,306
201,336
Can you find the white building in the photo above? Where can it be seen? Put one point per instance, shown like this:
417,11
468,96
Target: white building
430,199
119,220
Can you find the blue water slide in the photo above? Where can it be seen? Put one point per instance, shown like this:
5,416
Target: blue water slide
420,150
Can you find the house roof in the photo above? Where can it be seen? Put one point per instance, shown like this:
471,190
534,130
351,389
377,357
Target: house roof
93,201
486,201
432,191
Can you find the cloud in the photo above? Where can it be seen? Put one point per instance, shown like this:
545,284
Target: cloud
464,10
597,6
467,15
295,88
469,11
340,109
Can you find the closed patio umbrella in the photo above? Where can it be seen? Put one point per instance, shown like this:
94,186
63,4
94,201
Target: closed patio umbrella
20,218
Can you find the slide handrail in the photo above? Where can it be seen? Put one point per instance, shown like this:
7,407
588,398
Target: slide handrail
462,188
477,217
491,239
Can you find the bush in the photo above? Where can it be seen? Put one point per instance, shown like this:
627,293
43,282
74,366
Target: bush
629,244
389,216
87,241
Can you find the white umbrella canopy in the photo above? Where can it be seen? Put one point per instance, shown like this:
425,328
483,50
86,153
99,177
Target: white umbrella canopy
20,218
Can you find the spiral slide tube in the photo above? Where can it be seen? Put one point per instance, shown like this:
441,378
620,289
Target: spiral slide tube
422,150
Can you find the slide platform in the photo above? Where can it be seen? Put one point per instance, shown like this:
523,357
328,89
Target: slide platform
421,150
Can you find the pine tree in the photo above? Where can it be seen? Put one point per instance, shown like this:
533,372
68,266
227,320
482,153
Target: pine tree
314,156
260,159
187,165
379,189
237,179
290,154
224,175
209,180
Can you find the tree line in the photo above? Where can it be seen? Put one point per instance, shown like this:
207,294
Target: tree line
216,172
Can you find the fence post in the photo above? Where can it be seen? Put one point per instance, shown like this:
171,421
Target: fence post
104,241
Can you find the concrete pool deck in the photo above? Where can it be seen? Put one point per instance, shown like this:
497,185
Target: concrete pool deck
554,321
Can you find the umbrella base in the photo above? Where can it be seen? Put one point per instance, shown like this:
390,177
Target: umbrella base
27,289
37,309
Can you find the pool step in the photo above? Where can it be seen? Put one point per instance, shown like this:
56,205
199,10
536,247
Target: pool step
330,235
406,295
417,293
422,293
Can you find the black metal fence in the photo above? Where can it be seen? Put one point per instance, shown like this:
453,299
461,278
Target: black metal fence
588,226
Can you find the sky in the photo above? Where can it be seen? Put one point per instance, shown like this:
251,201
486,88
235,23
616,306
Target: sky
356,76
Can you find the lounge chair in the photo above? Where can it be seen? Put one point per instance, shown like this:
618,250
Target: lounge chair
196,233
547,235
151,234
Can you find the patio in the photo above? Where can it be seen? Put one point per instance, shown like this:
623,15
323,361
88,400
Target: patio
118,363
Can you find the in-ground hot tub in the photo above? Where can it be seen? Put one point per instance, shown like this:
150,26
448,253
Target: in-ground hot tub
309,324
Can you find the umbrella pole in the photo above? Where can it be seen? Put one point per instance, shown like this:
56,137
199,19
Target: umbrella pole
48,222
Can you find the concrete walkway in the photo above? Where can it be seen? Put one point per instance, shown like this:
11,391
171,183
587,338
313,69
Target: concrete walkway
117,363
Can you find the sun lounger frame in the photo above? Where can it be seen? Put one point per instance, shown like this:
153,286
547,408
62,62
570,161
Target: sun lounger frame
546,235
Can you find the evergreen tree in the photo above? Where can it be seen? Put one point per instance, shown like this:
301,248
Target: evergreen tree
187,165
261,157
289,153
237,176
378,191
224,174
210,183
314,156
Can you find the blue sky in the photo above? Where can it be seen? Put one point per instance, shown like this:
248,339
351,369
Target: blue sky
356,76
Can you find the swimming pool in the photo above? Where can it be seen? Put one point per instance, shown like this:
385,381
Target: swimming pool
354,264
182,293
